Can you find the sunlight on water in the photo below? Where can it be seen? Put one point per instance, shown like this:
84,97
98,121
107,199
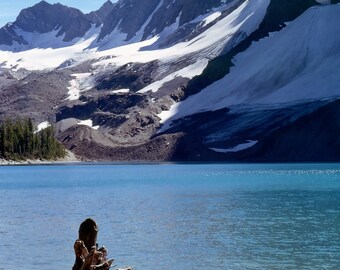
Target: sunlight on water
174,216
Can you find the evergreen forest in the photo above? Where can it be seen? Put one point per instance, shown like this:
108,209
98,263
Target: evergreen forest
19,140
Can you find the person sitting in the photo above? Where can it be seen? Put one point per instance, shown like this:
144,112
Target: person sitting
88,256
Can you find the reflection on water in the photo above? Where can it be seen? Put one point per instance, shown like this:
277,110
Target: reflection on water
174,216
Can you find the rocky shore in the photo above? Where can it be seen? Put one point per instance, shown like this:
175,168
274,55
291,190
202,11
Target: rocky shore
70,158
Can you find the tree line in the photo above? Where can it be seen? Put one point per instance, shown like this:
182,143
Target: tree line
19,140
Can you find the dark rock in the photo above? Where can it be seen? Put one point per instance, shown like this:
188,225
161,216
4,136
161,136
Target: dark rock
99,15
116,104
8,36
123,17
170,11
311,138
129,22
82,112
132,76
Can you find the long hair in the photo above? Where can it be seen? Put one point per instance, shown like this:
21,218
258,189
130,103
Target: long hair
88,231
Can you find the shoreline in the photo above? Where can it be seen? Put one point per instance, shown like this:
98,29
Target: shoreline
70,158
74,161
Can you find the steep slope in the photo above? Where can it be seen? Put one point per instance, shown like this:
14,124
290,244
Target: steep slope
288,67
153,16
100,15
291,143
277,15
128,22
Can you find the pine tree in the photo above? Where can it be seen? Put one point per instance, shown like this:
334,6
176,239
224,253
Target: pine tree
19,141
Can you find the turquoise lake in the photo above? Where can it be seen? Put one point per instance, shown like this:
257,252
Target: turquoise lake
173,216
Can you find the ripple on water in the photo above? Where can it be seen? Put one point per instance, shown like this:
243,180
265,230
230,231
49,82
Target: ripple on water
174,217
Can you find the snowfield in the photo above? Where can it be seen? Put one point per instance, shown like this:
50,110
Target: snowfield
50,54
291,66
245,19
44,59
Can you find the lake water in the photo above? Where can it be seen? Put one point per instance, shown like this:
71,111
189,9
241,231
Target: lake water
172,216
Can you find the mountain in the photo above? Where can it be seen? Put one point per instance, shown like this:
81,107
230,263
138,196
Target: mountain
100,15
178,80
154,16
294,69
65,22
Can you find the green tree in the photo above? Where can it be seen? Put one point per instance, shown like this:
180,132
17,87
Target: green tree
19,141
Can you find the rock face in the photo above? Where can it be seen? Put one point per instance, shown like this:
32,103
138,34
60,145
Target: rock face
128,22
292,143
36,96
43,18
180,11
100,15
154,16
8,36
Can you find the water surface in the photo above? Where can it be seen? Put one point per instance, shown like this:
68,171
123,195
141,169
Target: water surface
181,217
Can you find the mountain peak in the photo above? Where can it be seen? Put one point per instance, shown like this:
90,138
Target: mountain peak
106,7
43,3
99,15
44,18
108,2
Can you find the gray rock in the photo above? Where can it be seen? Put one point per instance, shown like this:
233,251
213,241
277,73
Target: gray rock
99,15
44,17
130,15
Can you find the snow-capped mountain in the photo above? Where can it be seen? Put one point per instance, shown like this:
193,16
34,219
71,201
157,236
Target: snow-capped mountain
173,79
119,22
65,22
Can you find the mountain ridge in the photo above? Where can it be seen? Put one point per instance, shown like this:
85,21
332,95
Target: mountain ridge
176,83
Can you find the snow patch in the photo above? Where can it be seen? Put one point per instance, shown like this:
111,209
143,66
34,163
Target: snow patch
211,18
80,84
43,126
324,2
187,72
236,148
88,123
120,91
